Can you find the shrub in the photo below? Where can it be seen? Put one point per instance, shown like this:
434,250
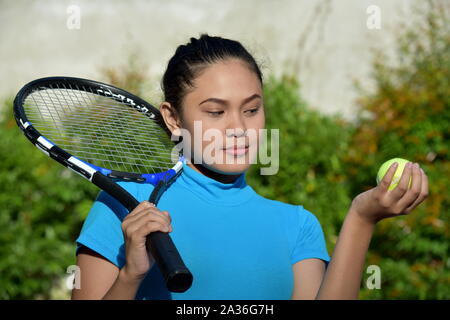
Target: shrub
42,207
408,116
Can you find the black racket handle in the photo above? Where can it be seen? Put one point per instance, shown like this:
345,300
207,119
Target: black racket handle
177,276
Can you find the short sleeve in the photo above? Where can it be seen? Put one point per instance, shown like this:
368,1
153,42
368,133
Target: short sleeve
102,229
310,242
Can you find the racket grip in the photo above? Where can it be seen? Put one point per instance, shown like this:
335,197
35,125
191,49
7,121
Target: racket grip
177,276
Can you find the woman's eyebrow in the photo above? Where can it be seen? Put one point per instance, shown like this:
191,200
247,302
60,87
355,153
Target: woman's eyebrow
225,102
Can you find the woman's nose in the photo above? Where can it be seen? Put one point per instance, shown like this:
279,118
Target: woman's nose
235,132
236,126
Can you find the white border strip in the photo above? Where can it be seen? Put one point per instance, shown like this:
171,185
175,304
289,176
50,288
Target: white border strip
24,125
82,165
178,166
45,142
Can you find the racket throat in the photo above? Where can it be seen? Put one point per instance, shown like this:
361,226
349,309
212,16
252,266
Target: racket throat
126,176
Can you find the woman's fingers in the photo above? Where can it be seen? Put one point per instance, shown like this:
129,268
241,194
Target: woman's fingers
387,179
142,221
146,213
402,186
146,207
150,215
405,196
148,223
423,192
405,193
154,212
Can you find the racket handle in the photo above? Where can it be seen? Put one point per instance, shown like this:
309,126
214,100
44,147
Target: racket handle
177,276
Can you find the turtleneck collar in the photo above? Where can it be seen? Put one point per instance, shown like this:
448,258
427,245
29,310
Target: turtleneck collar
214,191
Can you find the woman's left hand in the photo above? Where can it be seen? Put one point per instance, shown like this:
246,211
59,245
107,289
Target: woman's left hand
380,203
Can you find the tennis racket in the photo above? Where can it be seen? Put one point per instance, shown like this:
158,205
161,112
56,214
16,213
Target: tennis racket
106,134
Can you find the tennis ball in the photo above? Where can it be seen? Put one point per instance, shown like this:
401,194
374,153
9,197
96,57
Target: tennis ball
397,175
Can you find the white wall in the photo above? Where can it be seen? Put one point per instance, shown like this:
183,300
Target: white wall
335,47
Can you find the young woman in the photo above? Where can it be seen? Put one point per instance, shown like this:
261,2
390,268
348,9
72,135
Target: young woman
237,244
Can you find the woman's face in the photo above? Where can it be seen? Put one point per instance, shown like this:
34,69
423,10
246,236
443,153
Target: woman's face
223,114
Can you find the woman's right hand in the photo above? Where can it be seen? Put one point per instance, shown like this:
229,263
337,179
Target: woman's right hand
140,222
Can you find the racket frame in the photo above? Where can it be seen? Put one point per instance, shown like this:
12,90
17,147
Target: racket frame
176,275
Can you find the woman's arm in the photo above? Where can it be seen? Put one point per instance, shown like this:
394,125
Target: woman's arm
308,275
343,276
103,280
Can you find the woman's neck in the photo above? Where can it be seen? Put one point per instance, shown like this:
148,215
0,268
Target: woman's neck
223,178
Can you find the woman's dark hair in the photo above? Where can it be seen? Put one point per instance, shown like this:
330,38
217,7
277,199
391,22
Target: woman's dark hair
192,58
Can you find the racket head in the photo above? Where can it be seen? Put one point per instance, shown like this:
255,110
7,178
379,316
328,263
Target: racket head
54,114
91,126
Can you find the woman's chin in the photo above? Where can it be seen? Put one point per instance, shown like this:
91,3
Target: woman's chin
228,169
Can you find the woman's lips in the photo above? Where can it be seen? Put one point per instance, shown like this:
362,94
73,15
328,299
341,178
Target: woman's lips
237,150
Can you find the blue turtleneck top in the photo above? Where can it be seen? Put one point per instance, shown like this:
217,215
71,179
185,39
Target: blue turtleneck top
236,243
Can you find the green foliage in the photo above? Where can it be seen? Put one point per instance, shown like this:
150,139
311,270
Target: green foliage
132,76
42,207
410,118
324,163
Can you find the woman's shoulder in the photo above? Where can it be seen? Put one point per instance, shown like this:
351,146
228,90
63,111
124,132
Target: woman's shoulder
281,206
136,189
293,217
105,202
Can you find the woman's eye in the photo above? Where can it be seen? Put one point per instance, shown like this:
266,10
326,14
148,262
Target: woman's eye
215,113
252,111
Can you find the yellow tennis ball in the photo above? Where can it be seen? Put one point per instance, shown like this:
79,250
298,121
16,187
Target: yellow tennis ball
398,173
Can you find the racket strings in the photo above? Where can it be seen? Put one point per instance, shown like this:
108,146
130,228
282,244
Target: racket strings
100,130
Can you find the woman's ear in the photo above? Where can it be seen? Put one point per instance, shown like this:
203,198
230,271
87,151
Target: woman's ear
171,118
